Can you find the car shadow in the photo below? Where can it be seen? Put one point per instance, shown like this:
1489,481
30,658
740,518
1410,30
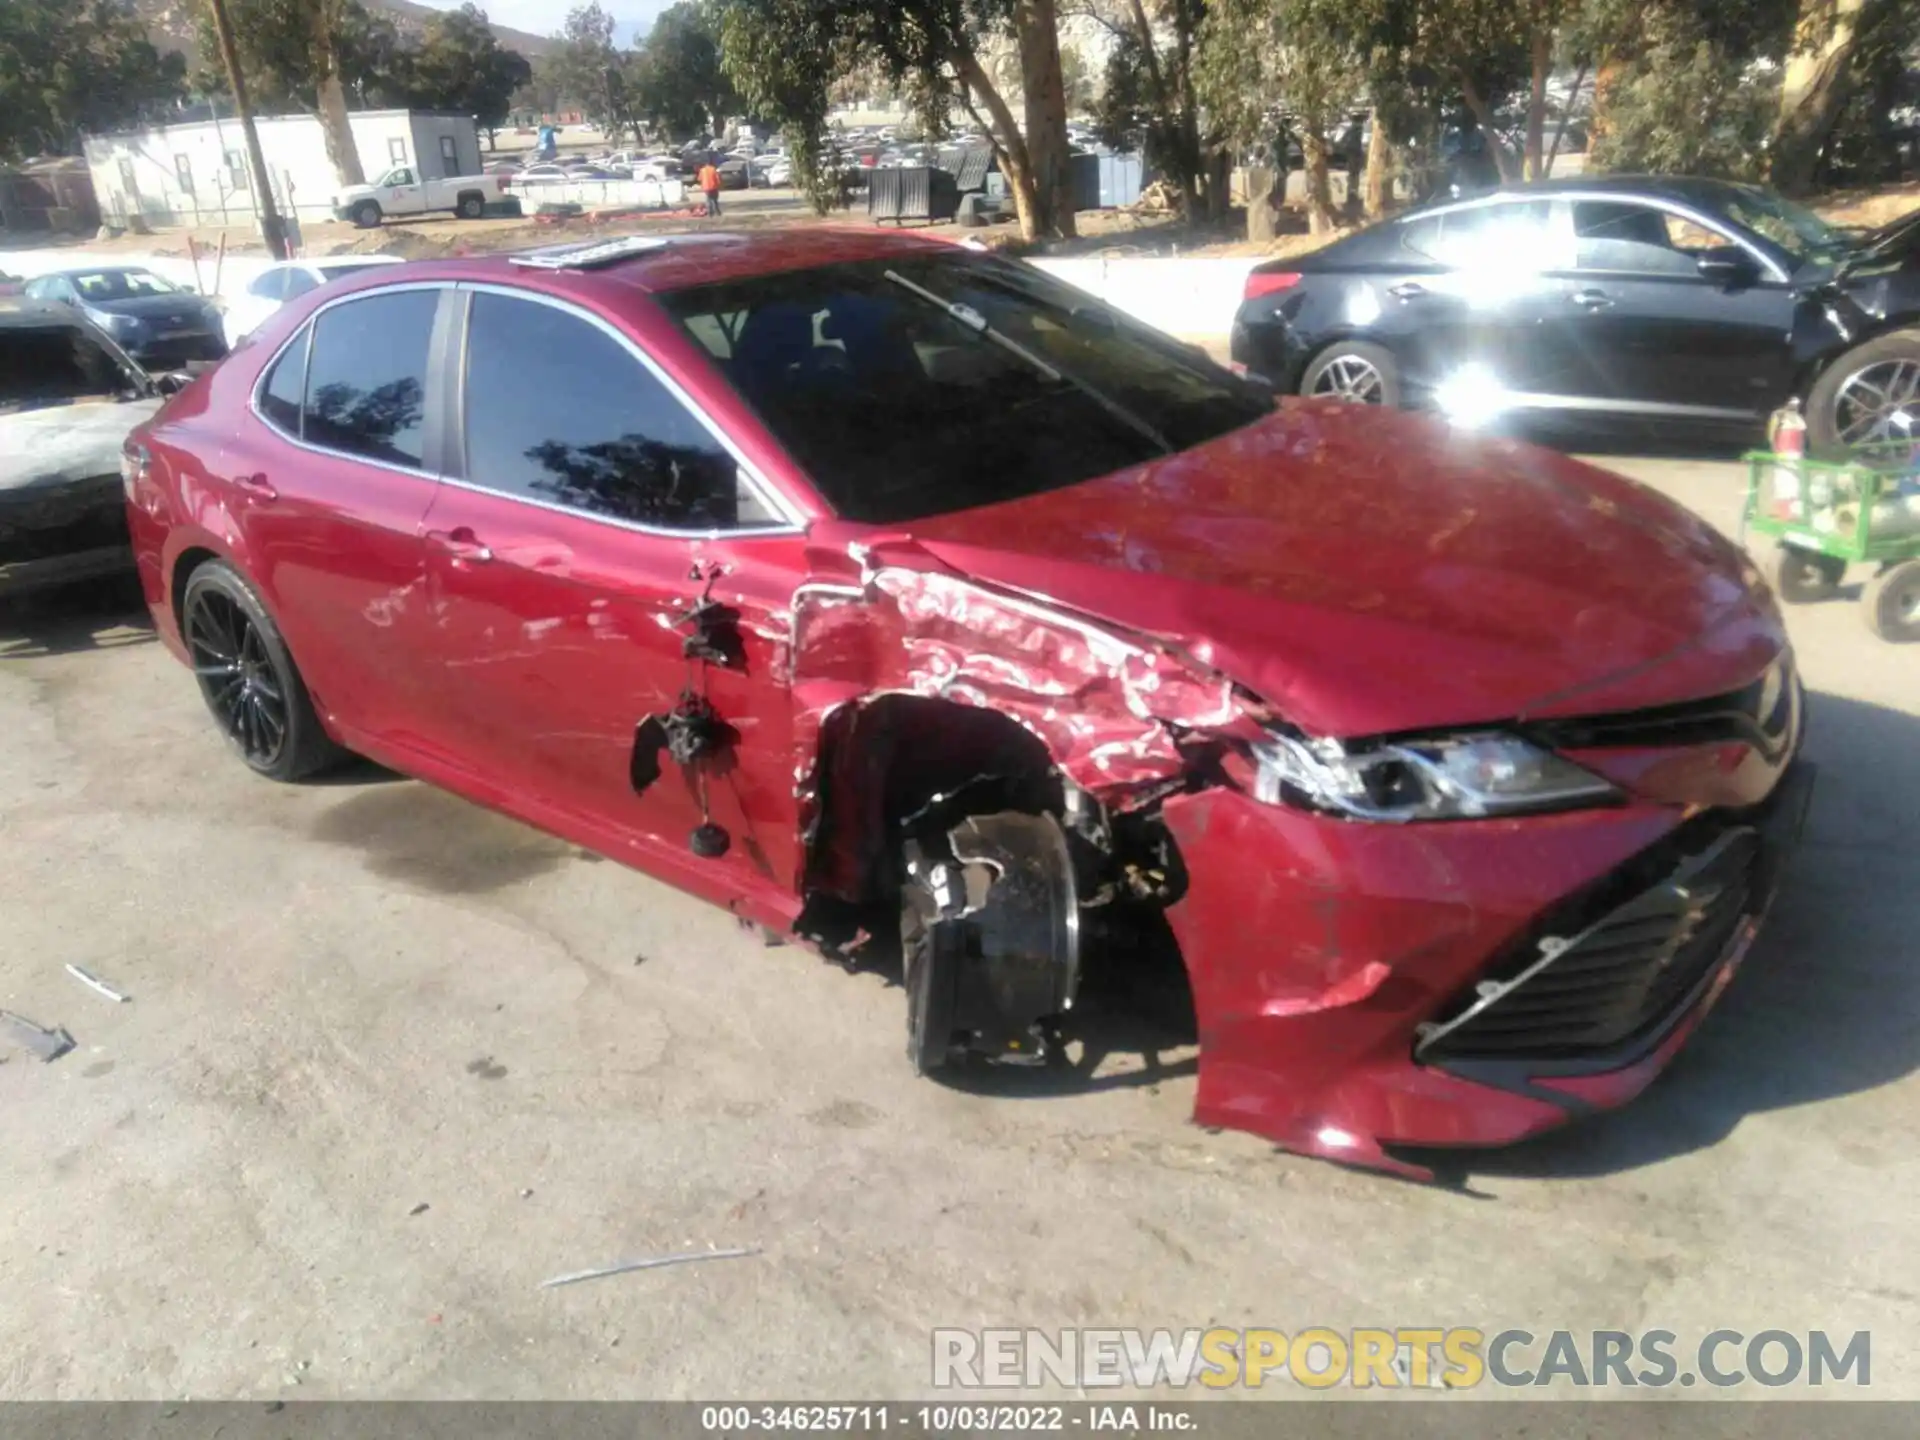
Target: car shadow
106,614
1824,1005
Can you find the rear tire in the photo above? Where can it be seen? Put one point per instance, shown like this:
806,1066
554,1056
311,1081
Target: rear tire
248,679
1355,372
1855,398
471,207
1892,603
366,215
1801,577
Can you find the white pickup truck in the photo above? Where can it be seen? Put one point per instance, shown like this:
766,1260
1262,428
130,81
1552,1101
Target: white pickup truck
401,192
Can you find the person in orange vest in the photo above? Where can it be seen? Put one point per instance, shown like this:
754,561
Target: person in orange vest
710,184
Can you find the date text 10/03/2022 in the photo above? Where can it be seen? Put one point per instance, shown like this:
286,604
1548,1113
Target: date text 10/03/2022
944,1419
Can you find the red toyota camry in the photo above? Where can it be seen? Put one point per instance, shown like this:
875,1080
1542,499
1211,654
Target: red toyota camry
892,594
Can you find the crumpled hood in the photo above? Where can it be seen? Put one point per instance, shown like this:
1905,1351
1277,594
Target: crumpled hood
59,444
1368,572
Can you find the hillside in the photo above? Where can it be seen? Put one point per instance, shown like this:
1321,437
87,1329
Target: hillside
170,24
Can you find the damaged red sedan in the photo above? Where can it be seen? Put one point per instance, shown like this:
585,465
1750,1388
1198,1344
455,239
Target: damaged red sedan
892,594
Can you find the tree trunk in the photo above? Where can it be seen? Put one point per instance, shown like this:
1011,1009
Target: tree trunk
1038,28
336,130
1379,176
1483,116
1566,115
1814,88
1183,164
1009,145
1260,226
1216,183
1542,56
1605,76
1320,217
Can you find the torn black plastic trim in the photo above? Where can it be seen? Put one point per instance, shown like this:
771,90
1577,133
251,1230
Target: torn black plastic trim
990,926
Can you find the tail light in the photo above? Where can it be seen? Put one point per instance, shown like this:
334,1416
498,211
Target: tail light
133,467
1266,282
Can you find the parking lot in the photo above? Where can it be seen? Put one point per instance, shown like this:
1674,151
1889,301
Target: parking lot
391,1061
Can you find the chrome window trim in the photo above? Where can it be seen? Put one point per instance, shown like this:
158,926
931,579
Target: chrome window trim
791,524
298,442
1615,197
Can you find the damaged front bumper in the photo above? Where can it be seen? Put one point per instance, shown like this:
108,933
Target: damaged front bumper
1470,984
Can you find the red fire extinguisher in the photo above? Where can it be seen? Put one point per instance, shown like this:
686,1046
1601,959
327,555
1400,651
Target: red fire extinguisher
1787,438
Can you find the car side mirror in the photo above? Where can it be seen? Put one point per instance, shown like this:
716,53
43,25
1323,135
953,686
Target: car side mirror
1726,265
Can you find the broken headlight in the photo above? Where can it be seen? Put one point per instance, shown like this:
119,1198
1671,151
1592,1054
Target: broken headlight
1462,777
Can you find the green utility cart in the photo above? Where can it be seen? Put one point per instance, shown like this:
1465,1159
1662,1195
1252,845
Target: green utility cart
1828,515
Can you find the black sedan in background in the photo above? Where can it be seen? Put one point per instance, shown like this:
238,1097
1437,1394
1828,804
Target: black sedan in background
1691,304
158,323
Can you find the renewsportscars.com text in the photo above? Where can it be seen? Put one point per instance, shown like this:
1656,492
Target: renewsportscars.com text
1456,1358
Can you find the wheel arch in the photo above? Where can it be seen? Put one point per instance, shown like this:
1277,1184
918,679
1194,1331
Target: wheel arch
1812,370
889,765
185,563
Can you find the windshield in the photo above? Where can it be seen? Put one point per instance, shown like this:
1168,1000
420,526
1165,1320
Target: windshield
900,405
119,284
54,364
1799,232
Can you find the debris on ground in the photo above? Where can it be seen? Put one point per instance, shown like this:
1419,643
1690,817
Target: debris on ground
1157,198
657,1262
49,1045
420,1209
97,985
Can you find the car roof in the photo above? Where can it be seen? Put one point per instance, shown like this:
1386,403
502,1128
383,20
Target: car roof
95,270
1686,189
687,259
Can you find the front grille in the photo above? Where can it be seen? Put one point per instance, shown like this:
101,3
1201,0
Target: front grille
1761,714
1619,980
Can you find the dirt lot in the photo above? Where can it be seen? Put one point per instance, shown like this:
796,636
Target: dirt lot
391,1061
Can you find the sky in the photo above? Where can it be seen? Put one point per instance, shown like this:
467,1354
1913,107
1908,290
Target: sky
545,17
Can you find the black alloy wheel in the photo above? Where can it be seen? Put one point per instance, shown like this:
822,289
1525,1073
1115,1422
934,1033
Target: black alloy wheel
248,679
237,677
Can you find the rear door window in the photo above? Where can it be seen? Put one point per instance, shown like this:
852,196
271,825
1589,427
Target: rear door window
561,412
367,377
1515,237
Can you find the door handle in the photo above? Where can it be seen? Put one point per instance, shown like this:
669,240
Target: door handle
1592,299
1407,290
462,544
256,486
